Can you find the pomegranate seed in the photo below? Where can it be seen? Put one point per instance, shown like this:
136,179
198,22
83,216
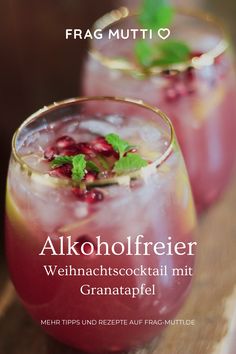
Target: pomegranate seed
91,196
50,153
70,150
100,145
86,148
90,176
64,142
79,193
61,171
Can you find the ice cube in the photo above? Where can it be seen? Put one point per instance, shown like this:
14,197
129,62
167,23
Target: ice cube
129,131
70,127
36,142
115,119
98,127
150,134
36,162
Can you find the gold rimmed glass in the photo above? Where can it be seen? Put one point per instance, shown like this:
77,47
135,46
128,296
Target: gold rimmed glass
153,205
117,19
198,95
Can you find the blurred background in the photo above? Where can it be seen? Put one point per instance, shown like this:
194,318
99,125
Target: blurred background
39,66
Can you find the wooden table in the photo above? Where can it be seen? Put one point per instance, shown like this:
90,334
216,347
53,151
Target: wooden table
211,303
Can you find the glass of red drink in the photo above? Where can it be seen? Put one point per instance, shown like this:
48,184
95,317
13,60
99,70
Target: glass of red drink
153,204
198,95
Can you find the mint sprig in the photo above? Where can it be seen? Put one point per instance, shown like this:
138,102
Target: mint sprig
78,167
156,14
130,162
119,145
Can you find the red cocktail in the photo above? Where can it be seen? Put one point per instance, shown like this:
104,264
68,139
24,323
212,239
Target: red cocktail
198,95
83,247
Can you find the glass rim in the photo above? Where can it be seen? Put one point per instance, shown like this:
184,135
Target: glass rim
120,179
198,62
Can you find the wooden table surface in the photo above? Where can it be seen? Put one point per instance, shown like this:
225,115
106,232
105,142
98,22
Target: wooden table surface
211,303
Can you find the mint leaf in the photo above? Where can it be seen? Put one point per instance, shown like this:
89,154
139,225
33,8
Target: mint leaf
155,14
162,53
61,160
118,144
170,52
144,52
79,165
129,163
91,166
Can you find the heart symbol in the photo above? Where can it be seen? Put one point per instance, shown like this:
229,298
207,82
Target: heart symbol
163,33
